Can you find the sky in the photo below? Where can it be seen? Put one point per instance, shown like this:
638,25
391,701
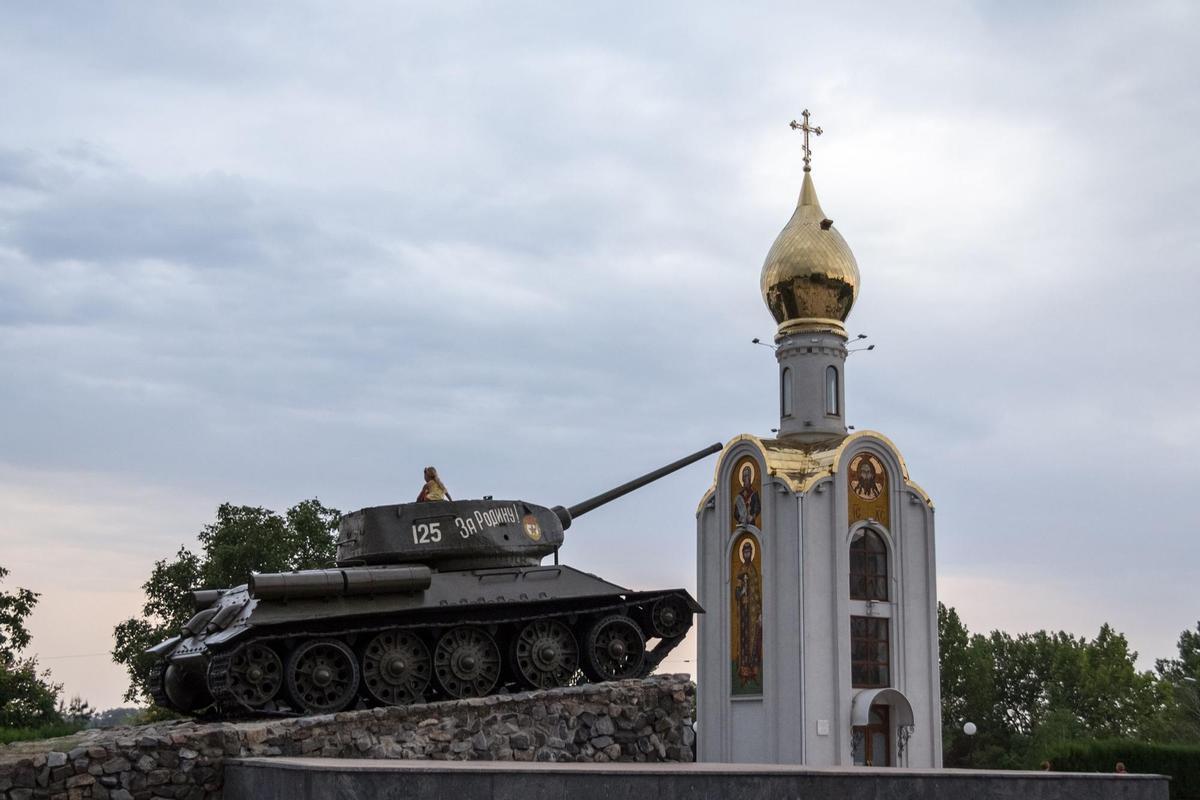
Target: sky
264,252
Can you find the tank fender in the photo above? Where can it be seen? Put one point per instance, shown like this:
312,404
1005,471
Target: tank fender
162,648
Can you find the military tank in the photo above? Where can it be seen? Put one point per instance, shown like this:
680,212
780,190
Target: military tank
427,601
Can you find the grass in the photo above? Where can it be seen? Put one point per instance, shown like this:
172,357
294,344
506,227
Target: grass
49,731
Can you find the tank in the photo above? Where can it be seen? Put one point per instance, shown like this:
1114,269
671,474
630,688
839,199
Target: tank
427,601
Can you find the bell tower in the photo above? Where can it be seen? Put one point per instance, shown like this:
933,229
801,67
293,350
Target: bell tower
809,282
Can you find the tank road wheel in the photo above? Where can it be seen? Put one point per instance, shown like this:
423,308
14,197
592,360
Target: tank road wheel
615,649
322,676
546,654
670,617
255,674
467,662
396,668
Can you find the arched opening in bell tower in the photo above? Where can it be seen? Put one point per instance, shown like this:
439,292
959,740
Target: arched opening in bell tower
832,406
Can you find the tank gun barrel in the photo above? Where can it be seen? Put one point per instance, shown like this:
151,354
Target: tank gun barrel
568,514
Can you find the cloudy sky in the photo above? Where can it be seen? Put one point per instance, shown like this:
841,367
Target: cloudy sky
264,252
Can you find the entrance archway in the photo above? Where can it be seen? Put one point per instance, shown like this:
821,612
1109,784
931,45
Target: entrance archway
881,721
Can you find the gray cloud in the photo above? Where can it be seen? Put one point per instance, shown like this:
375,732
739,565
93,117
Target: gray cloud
266,253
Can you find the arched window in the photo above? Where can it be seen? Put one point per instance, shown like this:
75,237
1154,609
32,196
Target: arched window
785,393
831,390
868,566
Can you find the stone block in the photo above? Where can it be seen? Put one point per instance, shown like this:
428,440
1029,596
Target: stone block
186,760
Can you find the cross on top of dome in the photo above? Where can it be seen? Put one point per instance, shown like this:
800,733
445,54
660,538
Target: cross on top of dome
804,126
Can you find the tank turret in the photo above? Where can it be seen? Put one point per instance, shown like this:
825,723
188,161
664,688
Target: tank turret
430,600
473,534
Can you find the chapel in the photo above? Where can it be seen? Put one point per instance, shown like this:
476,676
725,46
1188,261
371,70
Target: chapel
816,550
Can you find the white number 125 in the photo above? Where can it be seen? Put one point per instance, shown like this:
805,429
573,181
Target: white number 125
425,533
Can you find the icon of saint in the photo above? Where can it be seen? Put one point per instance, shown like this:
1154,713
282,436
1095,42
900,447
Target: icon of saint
746,504
747,592
865,482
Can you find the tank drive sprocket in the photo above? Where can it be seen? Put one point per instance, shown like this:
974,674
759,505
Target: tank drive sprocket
670,617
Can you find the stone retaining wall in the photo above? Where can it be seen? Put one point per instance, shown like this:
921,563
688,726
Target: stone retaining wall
640,720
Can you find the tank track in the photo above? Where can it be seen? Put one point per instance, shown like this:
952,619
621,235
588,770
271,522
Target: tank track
221,687
158,692
228,704
653,657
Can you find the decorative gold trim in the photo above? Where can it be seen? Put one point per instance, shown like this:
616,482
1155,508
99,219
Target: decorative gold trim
802,465
810,325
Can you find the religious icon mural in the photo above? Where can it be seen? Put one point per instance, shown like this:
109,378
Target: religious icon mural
746,637
868,485
747,497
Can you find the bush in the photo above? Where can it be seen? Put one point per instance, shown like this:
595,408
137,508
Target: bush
1180,761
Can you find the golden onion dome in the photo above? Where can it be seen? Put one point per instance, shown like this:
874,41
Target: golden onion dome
810,278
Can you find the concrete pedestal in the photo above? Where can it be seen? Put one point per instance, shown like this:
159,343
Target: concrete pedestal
344,779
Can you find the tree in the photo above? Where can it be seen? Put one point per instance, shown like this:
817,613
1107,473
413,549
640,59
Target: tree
14,608
78,712
1180,679
28,698
1030,691
242,540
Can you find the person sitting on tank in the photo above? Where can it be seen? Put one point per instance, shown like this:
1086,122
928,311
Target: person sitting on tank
433,489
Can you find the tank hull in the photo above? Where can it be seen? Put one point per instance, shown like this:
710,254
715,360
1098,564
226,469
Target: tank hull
469,633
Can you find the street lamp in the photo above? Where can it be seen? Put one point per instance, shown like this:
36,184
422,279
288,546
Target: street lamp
969,729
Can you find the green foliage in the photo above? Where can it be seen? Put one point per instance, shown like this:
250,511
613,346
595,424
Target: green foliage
14,608
112,717
242,540
1031,692
28,698
1180,761
1188,663
151,714
78,712
1180,679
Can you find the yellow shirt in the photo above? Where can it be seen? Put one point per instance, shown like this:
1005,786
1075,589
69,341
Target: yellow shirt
433,491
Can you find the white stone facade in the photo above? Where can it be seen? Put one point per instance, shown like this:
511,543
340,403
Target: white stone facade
808,708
